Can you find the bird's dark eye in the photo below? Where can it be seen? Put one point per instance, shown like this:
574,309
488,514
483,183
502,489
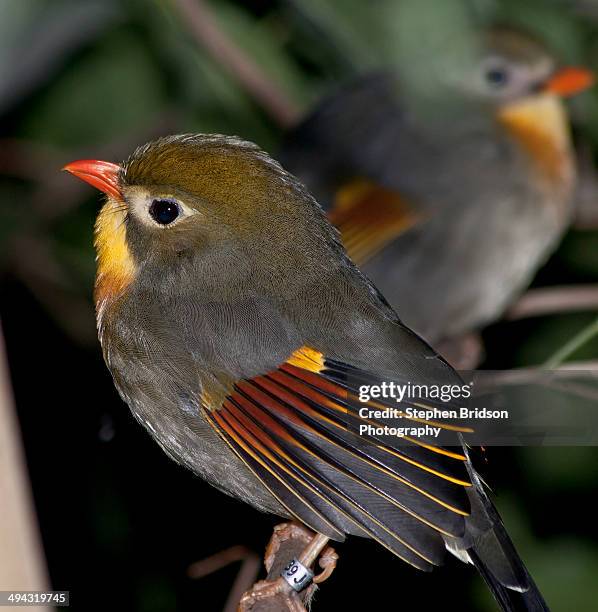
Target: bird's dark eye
497,77
164,212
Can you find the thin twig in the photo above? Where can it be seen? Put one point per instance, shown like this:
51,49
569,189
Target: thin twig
247,575
208,34
583,337
536,374
554,300
250,569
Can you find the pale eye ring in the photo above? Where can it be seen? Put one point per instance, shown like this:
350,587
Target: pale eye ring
164,211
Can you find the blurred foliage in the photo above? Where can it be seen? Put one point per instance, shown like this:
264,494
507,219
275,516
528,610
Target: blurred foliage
84,77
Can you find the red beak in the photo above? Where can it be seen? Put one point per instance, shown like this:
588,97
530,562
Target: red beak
570,81
102,175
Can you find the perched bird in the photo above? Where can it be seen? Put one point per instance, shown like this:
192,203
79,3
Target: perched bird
240,334
450,179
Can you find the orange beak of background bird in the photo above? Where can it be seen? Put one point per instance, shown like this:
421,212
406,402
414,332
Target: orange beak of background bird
570,81
100,174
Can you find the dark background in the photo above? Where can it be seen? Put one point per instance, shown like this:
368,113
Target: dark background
120,522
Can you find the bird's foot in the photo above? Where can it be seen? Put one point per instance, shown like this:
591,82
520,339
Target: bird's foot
463,352
293,531
289,541
327,562
271,596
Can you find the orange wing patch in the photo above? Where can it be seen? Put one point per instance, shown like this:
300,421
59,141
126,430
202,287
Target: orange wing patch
307,359
296,428
369,217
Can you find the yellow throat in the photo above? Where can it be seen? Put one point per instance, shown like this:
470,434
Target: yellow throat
540,124
115,266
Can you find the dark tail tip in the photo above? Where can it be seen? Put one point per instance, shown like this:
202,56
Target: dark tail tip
511,600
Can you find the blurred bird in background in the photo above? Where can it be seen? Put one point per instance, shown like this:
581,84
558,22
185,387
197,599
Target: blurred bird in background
450,179
240,333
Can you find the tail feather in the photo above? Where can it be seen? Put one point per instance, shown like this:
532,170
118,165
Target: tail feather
509,599
490,549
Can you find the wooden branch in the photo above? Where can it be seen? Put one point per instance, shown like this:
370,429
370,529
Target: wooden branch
554,300
197,16
22,564
466,352
289,541
566,372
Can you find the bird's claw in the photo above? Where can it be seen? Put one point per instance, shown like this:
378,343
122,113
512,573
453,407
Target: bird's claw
294,531
276,594
327,562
